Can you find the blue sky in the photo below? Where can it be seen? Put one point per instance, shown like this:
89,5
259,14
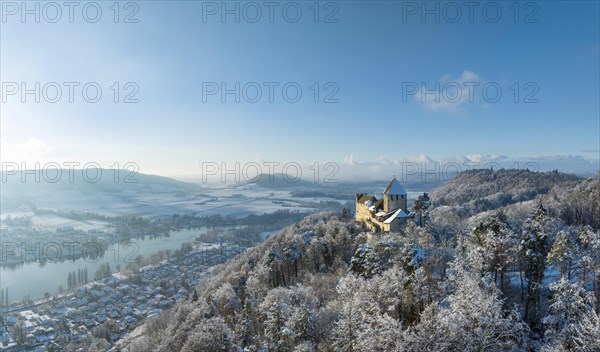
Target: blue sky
366,58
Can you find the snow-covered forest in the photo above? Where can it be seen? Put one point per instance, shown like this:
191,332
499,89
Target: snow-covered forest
503,261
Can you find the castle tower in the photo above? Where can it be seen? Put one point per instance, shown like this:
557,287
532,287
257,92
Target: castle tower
394,196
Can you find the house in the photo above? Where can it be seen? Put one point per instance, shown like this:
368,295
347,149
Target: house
113,314
387,214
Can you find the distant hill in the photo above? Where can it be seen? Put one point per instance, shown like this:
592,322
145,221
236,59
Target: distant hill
91,181
475,191
581,205
277,181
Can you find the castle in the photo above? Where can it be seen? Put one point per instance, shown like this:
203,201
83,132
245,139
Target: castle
387,214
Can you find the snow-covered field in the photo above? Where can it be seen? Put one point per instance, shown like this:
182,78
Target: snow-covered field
55,221
237,202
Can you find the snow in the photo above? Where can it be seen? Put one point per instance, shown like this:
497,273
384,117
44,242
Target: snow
394,188
307,236
398,214
418,257
234,202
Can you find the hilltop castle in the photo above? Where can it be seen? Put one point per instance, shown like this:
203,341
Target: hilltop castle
387,214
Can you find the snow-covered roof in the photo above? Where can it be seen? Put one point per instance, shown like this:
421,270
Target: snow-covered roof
394,188
397,214
365,198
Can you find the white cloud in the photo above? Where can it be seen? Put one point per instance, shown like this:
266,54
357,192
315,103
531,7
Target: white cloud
383,161
32,150
414,159
449,93
34,147
479,158
381,169
349,159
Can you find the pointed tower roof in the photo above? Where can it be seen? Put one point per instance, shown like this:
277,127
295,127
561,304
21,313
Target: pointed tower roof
394,188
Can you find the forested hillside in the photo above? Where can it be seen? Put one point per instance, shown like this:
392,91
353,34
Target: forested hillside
522,277
474,191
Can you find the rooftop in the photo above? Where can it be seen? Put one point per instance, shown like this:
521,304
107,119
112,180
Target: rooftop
397,214
394,188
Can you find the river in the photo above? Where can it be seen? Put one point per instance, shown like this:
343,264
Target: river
35,279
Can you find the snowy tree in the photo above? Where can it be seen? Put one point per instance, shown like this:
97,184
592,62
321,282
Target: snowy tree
291,257
394,292
427,334
589,250
184,320
245,327
273,261
564,253
226,301
420,206
211,335
377,332
288,317
581,206
535,245
497,244
570,304
301,323
257,284
306,346
362,326
100,345
345,330
365,261
346,213
588,332
471,318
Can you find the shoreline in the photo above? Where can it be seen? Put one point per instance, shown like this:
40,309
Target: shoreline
14,263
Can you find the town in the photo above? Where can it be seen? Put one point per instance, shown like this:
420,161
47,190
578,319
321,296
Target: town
110,308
